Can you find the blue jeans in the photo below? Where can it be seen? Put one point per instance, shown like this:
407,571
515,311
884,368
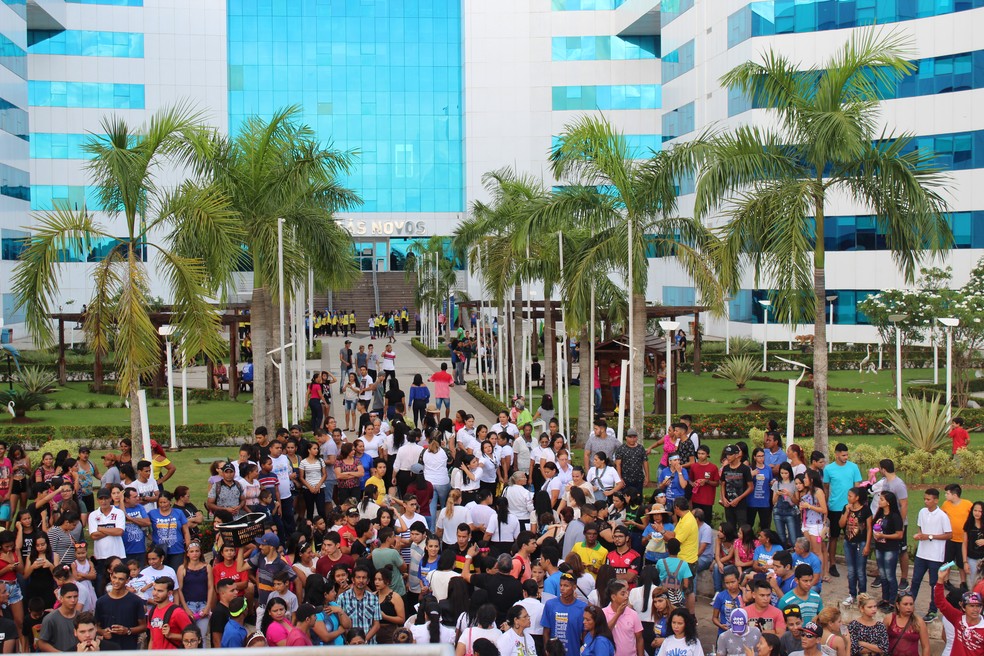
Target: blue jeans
919,569
718,578
438,499
597,398
786,528
857,577
329,491
888,562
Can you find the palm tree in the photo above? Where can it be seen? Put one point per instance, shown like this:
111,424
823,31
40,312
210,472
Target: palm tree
199,244
629,206
276,169
773,182
436,285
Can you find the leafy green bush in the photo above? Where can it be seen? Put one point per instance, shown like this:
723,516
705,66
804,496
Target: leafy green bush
922,423
53,447
738,370
38,380
429,352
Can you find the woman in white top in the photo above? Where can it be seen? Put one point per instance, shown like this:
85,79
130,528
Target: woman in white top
577,481
483,627
313,475
552,485
407,456
450,517
517,641
489,475
435,461
520,499
465,478
603,478
440,579
431,631
503,529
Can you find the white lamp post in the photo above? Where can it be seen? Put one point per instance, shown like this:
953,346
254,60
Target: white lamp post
669,328
727,325
830,329
282,370
791,399
950,323
765,334
166,331
936,355
896,318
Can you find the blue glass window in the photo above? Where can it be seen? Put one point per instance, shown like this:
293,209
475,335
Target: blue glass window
118,3
626,96
15,183
678,62
85,94
19,7
13,243
86,43
641,146
670,10
13,120
678,122
13,57
769,17
679,295
745,307
383,78
586,5
47,145
49,197
604,48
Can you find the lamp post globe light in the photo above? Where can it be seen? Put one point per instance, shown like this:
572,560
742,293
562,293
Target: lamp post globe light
950,323
166,331
896,318
765,334
669,328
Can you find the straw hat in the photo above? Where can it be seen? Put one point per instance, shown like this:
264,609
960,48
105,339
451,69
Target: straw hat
432,409
658,509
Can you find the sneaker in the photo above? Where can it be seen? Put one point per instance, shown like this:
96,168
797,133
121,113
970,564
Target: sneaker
848,601
833,571
903,585
885,607
876,583
929,617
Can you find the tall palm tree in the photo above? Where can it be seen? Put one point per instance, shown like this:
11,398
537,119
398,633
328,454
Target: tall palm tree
773,182
617,196
437,284
276,169
199,243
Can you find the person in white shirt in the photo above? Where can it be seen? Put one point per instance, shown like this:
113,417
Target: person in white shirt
603,478
106,526
374,443
407,456
520,499
481,514
147,490
934,531
466,438
432,631
533,606
282,469
517,640
505,426
366,385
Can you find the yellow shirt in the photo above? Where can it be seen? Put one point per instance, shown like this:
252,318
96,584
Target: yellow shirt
688,533
592,558
958,513
380,488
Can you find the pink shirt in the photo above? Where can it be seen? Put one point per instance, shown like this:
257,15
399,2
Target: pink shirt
442,384
298,638
277,632
625,630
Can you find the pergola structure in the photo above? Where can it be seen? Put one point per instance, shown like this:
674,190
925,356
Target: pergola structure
230,314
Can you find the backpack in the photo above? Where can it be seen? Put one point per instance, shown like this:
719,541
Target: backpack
674,588
166,620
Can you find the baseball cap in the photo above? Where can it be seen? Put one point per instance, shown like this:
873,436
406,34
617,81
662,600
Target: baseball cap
104,493
229,466
739,621
348,341
84,449
305,611
730,450
269,540
632,431
417,468
352,512
972,598
812,629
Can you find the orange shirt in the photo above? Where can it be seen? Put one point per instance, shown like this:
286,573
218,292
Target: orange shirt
958,513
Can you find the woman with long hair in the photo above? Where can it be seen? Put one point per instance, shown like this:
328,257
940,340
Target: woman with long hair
435,462
195,591
488,479
431,631
312,476
504,530
39,570
907,632
20,468
598,640
540,453
760,500
304,562
683,639
418,398
812,503
785,515
453,514
350,397
797,459
466,478
367,507
348,473
546,410
276,624
428,563
973,544
836,640
391,607
483,627
422,489
888,531
724,553
316,395
408,454
603,477
585,583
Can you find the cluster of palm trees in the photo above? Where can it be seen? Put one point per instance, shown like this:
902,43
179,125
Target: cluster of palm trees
224,213
760,199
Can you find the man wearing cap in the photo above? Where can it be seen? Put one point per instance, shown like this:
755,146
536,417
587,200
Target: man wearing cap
810,638
227,494
266,564
563,617
300,636
106,526
736,486
631,463
968,626
738,636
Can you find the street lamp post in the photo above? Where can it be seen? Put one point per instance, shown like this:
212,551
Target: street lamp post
896,318
282,370
936,355
791,399
669,328
727,325
950,323
830,329
166,331
765,334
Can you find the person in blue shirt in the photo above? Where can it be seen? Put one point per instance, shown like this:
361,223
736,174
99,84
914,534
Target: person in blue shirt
727,600
169,529
674,480
802,555
768,547
598,640
234,633
760,500
775,455
134,538
563,618
838,477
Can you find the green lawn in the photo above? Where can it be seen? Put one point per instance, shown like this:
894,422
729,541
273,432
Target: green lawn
204,412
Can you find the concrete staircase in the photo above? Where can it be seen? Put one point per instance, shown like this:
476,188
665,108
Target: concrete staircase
393,289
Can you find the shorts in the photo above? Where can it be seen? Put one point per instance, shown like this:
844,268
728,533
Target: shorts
14,589
349,405
18,486
445,401
954,552
813,530
835,529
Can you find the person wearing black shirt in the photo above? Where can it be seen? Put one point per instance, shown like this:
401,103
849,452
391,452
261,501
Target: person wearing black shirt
225,593
120,614
736,486
505,591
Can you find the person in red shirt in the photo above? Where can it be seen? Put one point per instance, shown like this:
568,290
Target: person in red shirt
623,558
232,567
968,633
959,435
615,379
332,554
167,620
704,479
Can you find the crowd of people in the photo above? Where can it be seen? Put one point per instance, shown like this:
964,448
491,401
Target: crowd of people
396,526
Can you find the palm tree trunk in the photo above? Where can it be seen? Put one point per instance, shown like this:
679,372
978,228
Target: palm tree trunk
637,385
820,362
258,320
586,389
517,340
274,410
549,348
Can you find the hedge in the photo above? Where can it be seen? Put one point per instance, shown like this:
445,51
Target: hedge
429,352
107,437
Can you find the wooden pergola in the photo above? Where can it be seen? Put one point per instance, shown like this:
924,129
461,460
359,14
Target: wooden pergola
231,315
671,312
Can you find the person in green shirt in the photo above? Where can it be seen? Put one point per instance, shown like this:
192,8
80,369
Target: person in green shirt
386,554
